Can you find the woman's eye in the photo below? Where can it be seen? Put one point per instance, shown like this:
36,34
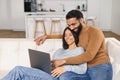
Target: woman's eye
70,34
65,35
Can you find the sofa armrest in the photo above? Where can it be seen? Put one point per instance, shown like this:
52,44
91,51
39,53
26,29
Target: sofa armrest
113,49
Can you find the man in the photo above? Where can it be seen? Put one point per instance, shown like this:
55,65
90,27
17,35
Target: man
93,41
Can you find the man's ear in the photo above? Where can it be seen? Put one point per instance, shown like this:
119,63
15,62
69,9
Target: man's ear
82,20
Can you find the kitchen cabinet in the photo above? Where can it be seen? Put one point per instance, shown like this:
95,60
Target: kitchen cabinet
30,23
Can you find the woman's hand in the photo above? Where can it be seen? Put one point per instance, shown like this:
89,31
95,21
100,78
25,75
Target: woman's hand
40,40
57,63
58,71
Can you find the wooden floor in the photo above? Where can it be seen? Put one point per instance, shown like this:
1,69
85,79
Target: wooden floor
12,34
21,34
111,34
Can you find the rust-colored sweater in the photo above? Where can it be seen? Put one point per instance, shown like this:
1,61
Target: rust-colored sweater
93,41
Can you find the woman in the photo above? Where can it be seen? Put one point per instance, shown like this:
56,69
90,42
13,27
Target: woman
70,49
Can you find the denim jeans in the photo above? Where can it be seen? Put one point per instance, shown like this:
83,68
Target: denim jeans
101,72
24,73
74,76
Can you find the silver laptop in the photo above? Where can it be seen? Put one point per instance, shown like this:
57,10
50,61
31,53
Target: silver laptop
40,60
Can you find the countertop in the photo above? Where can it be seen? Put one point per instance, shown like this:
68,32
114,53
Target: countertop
45,14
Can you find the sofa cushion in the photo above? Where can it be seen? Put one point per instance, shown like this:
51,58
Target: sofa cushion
23,54
8,56
113,51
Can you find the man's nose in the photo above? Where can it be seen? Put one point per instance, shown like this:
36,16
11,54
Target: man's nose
71,27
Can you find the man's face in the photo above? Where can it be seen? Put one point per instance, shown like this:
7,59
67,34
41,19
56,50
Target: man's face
73,23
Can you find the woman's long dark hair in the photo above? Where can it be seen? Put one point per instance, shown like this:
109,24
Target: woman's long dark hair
65,45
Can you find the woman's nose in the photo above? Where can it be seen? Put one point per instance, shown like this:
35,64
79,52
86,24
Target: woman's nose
67,38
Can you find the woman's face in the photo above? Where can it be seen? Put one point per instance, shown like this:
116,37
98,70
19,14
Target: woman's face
69,38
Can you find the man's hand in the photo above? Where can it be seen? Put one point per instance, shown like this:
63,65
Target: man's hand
40,40
57,63
58,71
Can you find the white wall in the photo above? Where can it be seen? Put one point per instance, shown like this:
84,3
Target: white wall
17,15
101,9
115,16
4,14
12,15
105,14
57,4
93,10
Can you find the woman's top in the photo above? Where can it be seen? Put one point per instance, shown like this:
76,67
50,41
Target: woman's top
65,53
93,41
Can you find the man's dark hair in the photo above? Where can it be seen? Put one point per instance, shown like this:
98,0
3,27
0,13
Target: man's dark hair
65,45
74,14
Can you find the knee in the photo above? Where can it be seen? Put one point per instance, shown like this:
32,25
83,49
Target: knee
17,68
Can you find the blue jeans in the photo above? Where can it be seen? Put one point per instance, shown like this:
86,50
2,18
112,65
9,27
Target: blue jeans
24,73
74,76
101,72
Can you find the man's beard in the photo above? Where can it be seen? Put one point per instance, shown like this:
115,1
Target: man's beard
78,29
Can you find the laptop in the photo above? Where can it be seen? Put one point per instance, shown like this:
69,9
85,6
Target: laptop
40,60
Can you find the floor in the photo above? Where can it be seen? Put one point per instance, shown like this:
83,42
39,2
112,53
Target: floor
12,34
21,34
111,34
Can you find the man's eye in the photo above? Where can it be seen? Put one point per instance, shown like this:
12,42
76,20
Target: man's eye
71,24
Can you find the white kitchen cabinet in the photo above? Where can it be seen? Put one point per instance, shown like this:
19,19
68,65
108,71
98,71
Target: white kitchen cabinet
30,23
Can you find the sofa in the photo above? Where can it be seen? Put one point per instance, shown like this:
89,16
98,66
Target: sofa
14,52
